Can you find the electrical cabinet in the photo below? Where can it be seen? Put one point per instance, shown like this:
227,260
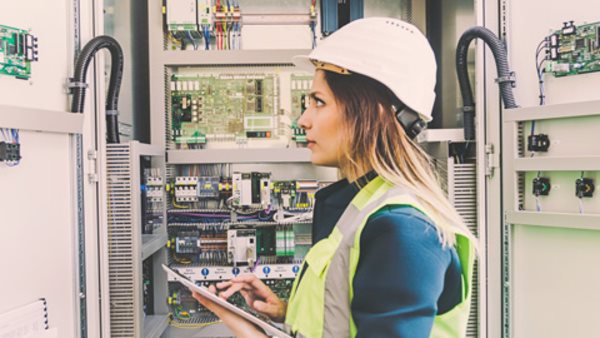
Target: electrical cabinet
542,228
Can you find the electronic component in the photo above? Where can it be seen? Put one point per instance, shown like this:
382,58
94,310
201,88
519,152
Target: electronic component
568,28
208,186
541,186
187,242
148,287
284,238
539,142
225,188
584,187
152,198
336,13
300,87
186,189
241,246
574,49
284,192
223,107
266,241
10,152
181,15
252,189
18,49
205,16
154,189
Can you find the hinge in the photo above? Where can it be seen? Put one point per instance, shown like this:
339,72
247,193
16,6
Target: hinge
92,155
489,160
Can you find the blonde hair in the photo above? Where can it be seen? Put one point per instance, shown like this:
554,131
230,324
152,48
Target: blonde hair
375,141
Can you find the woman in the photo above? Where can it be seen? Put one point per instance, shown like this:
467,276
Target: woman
391,257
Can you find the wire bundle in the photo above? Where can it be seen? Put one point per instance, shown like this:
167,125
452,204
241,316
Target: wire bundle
10,136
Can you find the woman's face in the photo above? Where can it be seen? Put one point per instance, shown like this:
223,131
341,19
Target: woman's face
322,121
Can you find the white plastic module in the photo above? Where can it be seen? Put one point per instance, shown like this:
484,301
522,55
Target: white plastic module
241,246
205,16
181,15
186,188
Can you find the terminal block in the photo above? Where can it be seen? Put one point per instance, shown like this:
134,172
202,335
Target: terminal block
584,187
187,242
541,186
539,142
10,152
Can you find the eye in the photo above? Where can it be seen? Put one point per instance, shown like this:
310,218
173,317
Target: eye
316,102
319,102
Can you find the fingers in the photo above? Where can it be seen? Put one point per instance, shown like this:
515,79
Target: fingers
223,285
275,311
261,289
232,289
248,297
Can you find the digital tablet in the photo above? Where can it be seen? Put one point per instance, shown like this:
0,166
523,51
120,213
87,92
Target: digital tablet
268,326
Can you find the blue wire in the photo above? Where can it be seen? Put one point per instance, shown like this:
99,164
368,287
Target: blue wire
206,31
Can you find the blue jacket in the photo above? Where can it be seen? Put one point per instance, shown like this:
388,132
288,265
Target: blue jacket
404,276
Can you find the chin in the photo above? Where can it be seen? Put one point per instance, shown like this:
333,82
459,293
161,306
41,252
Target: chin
316,160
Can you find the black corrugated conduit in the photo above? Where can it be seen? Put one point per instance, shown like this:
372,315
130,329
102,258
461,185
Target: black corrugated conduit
505,79
79,86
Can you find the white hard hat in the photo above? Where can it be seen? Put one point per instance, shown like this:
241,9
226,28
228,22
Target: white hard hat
388,50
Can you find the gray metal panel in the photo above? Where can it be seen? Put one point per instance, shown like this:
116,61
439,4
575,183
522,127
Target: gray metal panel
229,57
154,326
239,156
152,243
577,109
39,229
462,191
128,248
489,200
125,269
590,163
40,120
537,237
555,220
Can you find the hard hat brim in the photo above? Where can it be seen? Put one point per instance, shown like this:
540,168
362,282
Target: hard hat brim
303,62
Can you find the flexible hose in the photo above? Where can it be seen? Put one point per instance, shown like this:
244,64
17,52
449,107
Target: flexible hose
501,58
116,74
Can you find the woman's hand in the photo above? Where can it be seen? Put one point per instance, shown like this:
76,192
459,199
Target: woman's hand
240,327
258,296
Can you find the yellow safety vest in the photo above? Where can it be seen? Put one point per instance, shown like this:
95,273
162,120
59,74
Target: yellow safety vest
319,306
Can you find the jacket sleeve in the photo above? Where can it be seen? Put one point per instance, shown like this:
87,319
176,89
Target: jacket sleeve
400,275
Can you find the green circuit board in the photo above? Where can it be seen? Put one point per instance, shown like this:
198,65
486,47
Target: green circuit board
223,107
18,49
300,88
574,50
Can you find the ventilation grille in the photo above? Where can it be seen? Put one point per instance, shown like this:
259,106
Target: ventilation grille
521,175
121,254
168,114
462,191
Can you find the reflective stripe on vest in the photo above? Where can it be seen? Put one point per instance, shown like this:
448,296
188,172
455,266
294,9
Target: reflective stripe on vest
319,306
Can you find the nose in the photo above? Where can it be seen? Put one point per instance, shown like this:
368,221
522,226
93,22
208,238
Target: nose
304,120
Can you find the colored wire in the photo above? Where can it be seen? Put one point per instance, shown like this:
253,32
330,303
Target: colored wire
192,40
542,46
